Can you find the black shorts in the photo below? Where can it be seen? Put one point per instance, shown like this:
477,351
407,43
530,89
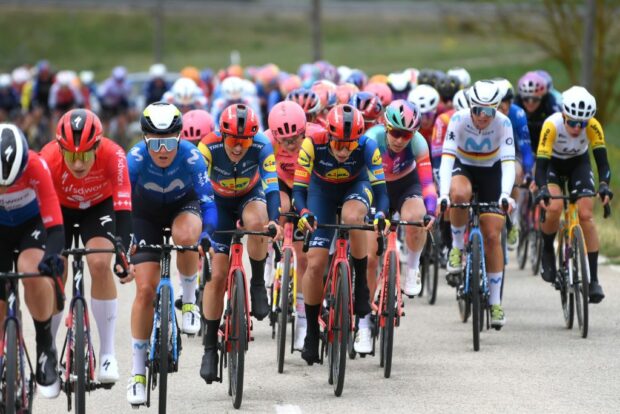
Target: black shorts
96,221
111,111
403,189
28,235
576,171
148,224
486,181
286,189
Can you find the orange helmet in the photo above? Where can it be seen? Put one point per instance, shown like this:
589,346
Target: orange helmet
191,72
345,91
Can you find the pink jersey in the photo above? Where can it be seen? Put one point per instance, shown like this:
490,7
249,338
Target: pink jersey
107,178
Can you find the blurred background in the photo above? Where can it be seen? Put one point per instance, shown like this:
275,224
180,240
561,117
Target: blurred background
81,42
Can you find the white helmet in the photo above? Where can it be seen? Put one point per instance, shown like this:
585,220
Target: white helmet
485,93
5,80
399,81
578,104
14,147
249,88
21,75
65,77
232,88
343,73
157,70
183,91
87,77
425,97
462,75
460,100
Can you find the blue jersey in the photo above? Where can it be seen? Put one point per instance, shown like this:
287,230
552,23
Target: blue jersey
521,133
185,177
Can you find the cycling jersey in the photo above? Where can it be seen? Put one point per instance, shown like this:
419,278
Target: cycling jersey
439,133
32,194
154,90
402,164
478,148
186,177
64,97
521,132
548,107
556,143
114,93
234,180
9,101
316,164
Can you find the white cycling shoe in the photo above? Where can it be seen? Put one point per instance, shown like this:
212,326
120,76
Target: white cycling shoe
191,319
363,341
413,283
108,369
136,390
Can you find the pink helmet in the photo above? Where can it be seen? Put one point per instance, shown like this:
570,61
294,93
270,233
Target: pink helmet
381,90
286,120
532,84
196,125
289,84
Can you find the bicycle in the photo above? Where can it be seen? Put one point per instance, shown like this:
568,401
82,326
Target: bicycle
530,238
237,325
473,292
336,312
165,343
573,275
78,368
16,387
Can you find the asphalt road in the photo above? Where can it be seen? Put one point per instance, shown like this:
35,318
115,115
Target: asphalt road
534,364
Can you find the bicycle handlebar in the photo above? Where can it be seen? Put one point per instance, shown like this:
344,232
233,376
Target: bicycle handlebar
59,289
346,227
573,197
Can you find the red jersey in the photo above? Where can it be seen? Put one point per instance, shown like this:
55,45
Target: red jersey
108,177
33,193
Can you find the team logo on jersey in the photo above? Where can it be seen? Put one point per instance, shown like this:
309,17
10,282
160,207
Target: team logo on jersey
337,173
270,163
368,194
235,184
376,157
472,146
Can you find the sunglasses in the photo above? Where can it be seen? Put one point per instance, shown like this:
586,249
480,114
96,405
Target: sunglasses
400,133
338,145
487,111
574,124
232,141
84,156
532,99
156,144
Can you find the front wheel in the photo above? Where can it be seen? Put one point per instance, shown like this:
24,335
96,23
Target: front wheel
389,315
581,280
79,357
474,287
566,296
337,352
238,338
164,341
10,367
433,271
283,309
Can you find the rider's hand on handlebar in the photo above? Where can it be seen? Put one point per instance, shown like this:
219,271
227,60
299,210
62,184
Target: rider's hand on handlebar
305,219
429,220
52,265
382,225
278,235
543,197
605,193
506,203
444,203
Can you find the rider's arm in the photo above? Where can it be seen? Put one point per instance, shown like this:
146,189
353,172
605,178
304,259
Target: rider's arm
118,175
269,179
439,132
303,171
448,155
596,137
548,134
374,163
523,138
507,156
202,187
425,174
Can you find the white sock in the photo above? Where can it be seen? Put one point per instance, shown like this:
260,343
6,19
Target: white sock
56,320
188,286
139,347
364,322
458,237
413,259
495,288
105,313
514,216
300,308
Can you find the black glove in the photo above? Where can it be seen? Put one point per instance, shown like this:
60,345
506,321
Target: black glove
543,195
603,190
205,243
52,265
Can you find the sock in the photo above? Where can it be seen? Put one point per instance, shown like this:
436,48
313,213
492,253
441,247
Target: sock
105,313
139,347
258,272
189,285
593,263
458,237
364,322
413,259
312,320
548,241
56,320
300,308
361,294
495,288
210,341
43,334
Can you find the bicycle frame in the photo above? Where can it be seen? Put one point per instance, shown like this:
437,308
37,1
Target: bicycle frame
287,244
382,283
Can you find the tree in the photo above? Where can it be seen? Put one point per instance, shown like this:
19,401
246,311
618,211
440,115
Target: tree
558,29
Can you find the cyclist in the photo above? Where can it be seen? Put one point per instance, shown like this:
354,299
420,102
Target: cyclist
370,106
157,85
10,106
31,222
409,178
563,156
382,90
232,91
478,153
185,95
459,101
90,177
341,167
242,169
169,189
310,102
400,84
427,100
197,124
114,95
64,95
523,154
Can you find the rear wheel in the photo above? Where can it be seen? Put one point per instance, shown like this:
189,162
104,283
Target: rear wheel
474,287
10,367
164,341
283,308
566,296
387,331
581,280
79,357
337,351
522,247
239,338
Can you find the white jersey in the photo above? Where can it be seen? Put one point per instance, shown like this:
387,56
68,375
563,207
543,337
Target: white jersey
477,148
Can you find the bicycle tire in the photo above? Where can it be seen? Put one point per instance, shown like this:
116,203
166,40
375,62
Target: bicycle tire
581,280
341,330
10,366
387,338
425,264
463,301
536,253
282,320
79,357
522,248
474,287
434,274
239,335
566,296
164,315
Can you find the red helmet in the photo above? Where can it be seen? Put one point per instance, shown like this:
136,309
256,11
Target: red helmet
307,99
345,91
239,120
286,120
345,123
197,124
79,130
382,90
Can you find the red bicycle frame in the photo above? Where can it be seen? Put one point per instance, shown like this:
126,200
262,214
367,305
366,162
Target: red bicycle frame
383,281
